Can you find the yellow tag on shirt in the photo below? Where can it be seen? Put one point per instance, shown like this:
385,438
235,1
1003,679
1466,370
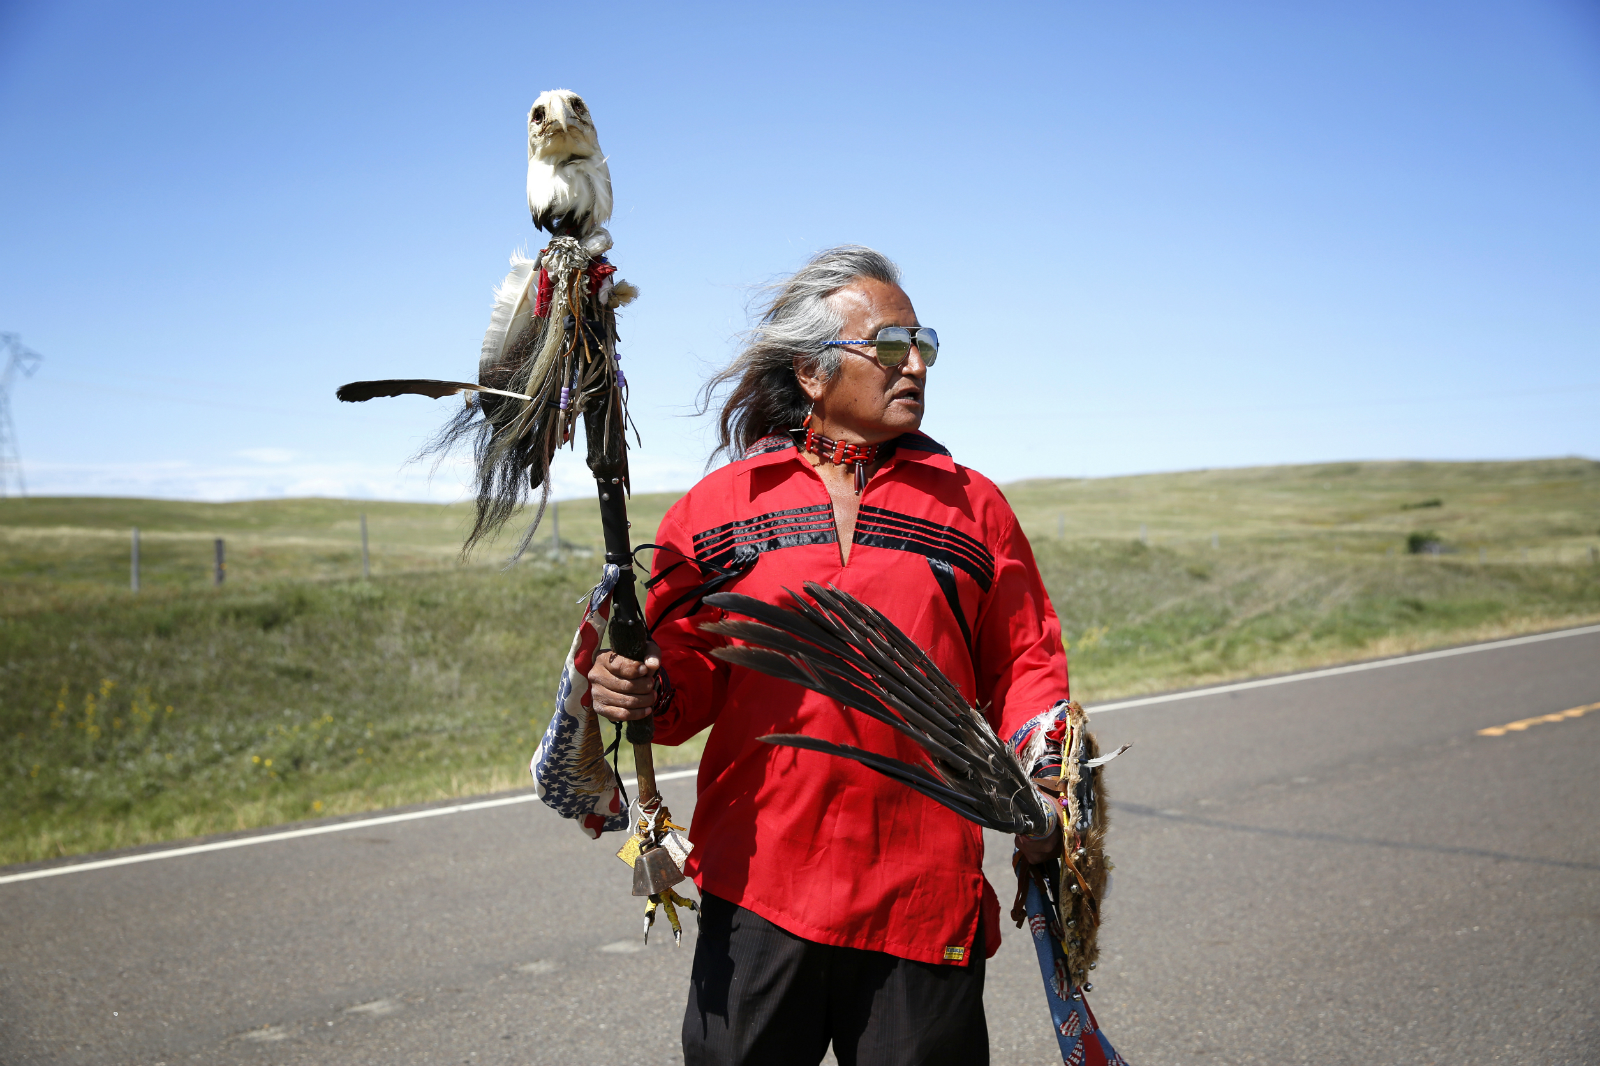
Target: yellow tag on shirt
955,953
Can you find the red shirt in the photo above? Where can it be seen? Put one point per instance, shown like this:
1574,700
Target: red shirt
823,847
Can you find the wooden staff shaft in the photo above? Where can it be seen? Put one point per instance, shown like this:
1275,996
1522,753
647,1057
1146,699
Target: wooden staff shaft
608,461
644,760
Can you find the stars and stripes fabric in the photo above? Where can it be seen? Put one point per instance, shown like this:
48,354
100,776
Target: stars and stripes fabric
1082,1042
569,768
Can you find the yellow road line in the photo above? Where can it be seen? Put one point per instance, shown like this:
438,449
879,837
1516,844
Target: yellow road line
1517,727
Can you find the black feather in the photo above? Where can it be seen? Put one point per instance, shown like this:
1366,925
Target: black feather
838,646
905,773
839,670
846,691
357,391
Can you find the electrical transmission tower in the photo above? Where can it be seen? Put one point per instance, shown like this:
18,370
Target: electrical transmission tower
24,361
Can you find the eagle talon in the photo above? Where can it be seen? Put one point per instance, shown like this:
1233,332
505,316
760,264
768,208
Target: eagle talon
650,916
668,901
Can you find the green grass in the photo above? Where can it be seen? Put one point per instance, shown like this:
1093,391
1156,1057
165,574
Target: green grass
298,690
1144,619
173,714
80,546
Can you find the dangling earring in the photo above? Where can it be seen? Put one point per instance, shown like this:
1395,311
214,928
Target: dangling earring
806,422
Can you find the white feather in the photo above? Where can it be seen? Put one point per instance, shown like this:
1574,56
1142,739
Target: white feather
513,309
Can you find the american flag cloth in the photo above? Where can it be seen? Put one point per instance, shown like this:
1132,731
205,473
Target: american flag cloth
1082,1042
569,768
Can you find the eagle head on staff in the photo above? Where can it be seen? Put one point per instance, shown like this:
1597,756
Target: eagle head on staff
569,184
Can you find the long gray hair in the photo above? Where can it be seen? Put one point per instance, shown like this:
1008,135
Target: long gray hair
796,321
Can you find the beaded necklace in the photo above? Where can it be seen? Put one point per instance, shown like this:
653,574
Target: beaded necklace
839,452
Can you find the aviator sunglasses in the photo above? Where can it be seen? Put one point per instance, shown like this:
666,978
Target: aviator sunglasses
893,344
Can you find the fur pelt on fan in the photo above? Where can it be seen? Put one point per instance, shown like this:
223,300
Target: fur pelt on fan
1073,769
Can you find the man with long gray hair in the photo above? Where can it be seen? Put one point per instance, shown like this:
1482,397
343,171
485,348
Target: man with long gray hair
838,905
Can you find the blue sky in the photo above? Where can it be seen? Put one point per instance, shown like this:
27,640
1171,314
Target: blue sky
1153,236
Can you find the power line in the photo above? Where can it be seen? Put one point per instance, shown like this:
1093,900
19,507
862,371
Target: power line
22,360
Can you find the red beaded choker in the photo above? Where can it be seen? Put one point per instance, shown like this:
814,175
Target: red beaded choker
838,453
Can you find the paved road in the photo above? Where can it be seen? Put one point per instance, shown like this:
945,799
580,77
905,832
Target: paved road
1335,870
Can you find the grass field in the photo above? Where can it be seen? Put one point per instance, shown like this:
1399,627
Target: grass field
299,690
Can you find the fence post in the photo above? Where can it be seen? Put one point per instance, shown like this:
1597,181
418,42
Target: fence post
1214,542
1144,534
1061,527
222,566
134,575
366,564
555,528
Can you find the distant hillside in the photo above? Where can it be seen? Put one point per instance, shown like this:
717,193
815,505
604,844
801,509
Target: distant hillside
299,690
83,542
1547,508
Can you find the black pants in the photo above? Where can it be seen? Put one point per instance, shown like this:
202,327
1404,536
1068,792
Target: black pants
760,996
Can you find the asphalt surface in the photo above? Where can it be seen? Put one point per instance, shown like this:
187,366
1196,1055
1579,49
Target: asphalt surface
1337,870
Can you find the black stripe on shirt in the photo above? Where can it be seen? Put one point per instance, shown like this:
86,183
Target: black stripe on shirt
946,577
793,528
775,443
880,528
920,442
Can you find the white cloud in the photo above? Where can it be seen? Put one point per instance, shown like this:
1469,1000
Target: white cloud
267,455
266,473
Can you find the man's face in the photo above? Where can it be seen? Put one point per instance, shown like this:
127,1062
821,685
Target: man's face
864,400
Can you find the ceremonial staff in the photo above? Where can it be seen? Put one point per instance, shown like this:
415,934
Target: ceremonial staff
549,355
